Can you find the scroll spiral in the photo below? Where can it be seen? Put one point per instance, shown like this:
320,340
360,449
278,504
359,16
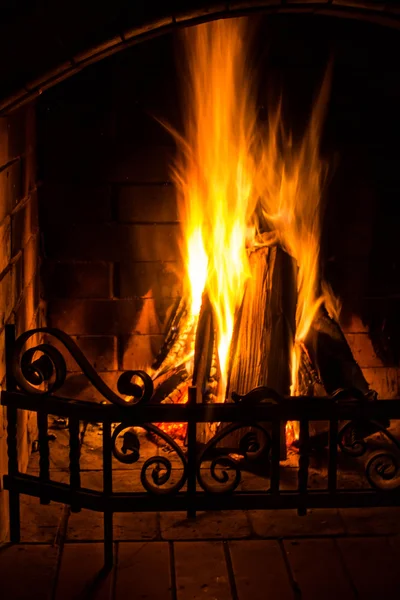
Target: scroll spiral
229,477
382,471
42,370
156,471
382,468
351,441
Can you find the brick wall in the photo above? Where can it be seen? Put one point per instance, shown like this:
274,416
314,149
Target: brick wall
112,283
19,258
108,212
107,206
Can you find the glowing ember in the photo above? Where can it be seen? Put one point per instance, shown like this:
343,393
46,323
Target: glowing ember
291,431
177,430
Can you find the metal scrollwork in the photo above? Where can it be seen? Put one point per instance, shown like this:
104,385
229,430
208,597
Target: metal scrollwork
351,440
256,395
382,471
156,471
42,370
382,467
349,396
224,470
251,447
352,436
130,449
38,370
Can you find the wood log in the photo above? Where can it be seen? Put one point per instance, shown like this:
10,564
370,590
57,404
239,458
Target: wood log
203,353
264,332
333,360
173,329
332,357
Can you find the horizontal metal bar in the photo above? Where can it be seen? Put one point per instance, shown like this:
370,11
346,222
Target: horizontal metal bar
143,502
290,409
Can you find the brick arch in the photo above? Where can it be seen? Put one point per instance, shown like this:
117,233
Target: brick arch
163,21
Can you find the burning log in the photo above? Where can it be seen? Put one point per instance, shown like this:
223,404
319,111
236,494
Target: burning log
264,332
211,390
265,327
178,342
204,356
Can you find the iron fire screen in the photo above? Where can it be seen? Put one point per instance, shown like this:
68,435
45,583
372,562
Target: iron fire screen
34,376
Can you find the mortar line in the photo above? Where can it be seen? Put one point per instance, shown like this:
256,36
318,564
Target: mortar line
113,589
294,584
174,592
59,542
229,567
346,570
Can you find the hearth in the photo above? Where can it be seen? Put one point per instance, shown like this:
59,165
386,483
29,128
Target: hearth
217,283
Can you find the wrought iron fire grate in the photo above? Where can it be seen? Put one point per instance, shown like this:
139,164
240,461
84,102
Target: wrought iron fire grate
205,479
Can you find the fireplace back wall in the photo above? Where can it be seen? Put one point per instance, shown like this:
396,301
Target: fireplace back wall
108,214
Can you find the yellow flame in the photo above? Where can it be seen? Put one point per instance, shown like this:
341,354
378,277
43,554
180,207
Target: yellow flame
213,172
197,263
232,179
290,180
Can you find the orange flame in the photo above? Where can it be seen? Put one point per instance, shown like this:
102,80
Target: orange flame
232,179
291,432
290,183
214,172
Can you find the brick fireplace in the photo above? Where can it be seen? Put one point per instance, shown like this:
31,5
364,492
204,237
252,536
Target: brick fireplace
89,226
111,266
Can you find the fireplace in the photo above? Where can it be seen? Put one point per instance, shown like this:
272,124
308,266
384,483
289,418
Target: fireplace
107,233
111,268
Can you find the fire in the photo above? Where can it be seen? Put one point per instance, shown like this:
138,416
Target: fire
291,432
234,178
196,265
290,185
214,173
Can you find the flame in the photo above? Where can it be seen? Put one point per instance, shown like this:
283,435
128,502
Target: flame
197,264
291,432
233,179
290,181
214,171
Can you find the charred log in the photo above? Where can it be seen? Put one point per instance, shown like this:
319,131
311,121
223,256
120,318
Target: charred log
332,358
336,367
172,328
166,389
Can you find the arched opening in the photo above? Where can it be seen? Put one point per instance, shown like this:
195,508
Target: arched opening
46,50
88,190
